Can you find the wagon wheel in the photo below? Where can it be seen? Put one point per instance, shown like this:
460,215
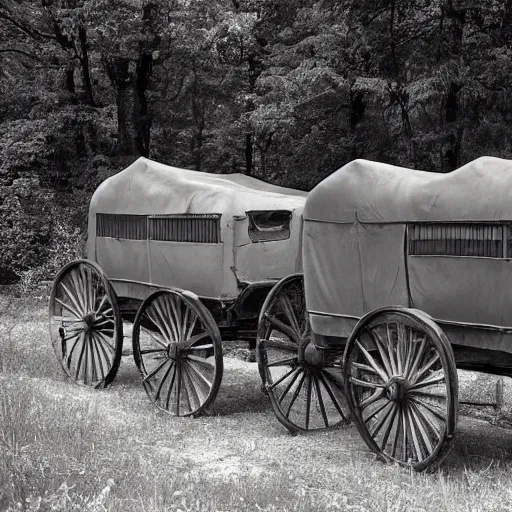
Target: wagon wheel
177,349
402,386
85,324
304,385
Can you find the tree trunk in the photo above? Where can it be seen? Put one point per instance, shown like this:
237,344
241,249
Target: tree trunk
456,18
142,117
84,63
70,80
248,154
126,129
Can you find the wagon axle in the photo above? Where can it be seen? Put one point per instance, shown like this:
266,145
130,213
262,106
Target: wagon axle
396,388
309,355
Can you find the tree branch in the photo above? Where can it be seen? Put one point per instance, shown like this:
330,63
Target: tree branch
32,32
15,50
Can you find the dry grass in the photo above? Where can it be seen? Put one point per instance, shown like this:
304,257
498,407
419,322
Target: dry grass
63,447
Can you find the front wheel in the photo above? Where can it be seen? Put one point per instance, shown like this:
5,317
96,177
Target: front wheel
177,349
86,329
304,385
401,384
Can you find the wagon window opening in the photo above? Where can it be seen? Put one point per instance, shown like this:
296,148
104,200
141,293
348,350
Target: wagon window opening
270,225
192,228
127,227
460,239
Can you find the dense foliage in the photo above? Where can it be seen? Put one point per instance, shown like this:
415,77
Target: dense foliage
284,90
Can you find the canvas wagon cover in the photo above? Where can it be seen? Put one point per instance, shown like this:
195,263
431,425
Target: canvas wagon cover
209,269
354,253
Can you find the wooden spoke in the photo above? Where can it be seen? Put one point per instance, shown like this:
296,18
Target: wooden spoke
153,372
417,419
417,359
104,339
295,394
405,457
164,378
96,348
68,358
321,402
365,368
178,391
426,394
101,348
174,314
158,318
365,383
331,394
407,415
102,303
391,424
309,387
200,347
400,345
62,320
71,309
189,327
162,343
278,381
290,313
385,357
75,334
78,308
374,397
282,327
79,290
80,357
376,367
93,358
377,426
435,379
376,412
418,450
192,393
419,402
391,351
280,344
153,351
171,387
434,359
432,425
190,342
198,372
292,381
332,378
283,362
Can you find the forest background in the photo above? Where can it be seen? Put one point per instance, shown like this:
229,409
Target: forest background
283,90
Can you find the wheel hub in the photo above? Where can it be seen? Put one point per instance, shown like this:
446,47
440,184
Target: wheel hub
173,350
396,388
89,320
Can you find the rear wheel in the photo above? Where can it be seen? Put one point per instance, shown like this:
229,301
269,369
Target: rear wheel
177,349
402,386
303,383
85,324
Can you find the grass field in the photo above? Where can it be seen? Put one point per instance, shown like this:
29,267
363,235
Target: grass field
64,447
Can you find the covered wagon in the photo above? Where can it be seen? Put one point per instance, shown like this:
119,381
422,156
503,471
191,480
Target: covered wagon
407,276
189,257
